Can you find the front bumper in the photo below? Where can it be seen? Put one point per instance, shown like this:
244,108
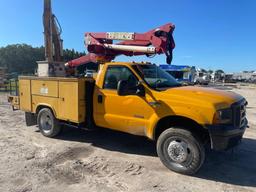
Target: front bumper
224,137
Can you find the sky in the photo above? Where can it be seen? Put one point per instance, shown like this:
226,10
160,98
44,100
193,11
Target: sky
210,34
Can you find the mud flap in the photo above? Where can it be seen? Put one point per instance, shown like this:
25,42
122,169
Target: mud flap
31,119
89,86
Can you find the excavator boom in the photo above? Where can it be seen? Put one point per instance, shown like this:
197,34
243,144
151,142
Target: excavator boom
52,32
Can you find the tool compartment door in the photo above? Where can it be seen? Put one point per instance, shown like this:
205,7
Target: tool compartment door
68,101
25,95
45,88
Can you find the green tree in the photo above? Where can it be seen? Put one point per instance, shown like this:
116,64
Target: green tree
203,70
69,55
219,71
210,71
22,58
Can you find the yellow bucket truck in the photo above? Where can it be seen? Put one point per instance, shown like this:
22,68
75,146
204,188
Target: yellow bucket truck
140,99
136,98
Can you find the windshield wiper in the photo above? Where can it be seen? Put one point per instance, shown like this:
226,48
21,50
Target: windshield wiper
167,86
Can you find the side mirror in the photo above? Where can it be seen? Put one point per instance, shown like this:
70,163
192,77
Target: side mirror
124,89
140,90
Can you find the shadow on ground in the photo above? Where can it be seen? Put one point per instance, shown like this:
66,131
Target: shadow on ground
237,167
111,140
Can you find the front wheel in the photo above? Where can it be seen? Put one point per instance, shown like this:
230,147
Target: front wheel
49,126
180,151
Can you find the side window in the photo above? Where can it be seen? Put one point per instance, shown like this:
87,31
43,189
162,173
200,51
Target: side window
116,73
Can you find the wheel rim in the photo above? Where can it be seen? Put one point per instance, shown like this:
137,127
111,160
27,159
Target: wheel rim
46,122
179,151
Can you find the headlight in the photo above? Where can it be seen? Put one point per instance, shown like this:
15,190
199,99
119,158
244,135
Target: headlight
223,116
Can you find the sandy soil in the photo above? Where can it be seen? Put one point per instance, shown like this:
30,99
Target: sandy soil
110,161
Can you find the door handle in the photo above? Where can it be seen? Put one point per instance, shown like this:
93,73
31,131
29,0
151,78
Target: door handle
100,98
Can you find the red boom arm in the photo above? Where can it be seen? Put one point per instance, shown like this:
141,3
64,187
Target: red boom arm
101,46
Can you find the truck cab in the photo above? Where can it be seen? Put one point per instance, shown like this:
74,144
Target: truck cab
144,100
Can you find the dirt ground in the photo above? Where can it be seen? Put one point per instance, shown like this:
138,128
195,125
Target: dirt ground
110,161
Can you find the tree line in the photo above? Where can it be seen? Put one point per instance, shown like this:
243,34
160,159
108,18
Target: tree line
22,58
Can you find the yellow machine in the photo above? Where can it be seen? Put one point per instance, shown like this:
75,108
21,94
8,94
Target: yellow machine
136,98
140,99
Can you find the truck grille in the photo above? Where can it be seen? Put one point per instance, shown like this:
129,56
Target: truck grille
239,114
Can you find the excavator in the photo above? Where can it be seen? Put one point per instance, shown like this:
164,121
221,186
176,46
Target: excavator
133,97
53,64
52,34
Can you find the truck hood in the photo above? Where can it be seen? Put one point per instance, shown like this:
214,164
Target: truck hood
201,96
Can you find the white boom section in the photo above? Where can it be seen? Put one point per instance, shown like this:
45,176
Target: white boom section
142,49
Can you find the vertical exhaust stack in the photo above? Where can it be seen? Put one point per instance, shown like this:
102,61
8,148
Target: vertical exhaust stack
53,65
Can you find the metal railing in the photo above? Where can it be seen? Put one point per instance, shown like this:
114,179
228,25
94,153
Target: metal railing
14,87
11,86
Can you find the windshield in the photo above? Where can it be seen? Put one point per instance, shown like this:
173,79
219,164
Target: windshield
155,77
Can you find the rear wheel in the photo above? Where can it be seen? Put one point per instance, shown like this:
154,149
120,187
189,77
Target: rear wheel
180,151
49,126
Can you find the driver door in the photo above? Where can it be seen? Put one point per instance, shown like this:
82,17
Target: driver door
123,113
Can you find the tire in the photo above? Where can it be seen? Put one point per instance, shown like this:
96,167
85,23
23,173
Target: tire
48,125
180,151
